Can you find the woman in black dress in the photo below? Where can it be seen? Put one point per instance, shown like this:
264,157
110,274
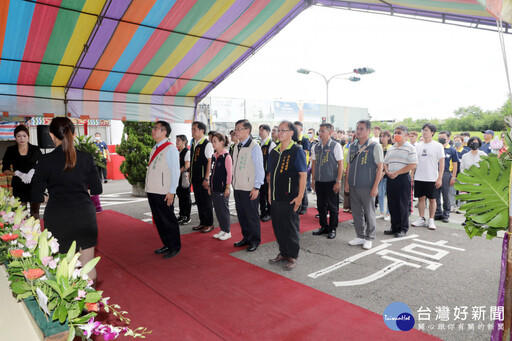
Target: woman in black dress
67,174
22,158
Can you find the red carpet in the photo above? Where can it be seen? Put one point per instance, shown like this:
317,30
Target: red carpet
206,294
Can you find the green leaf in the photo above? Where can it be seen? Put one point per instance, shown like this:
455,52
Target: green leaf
55,286
92,297
90,265
71,251
71,334
73,311
20,287
62,271
25,295
488,188
69,291
62,312
84,319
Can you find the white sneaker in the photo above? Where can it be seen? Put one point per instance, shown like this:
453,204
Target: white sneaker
356,241
225,236
431,225
387,217
420,222
380,216
217,235
367,244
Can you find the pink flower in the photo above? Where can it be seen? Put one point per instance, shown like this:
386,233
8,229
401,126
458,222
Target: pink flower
17,253
81,294
31,243
9,237
46,260
32,274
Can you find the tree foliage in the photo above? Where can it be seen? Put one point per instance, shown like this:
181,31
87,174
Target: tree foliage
136,146
471,118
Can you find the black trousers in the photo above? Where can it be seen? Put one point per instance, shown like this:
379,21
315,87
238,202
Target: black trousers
444,190
204,204
327,201
184,201
304,205
399,195
264,204
286,224
103,171
248,217
165,221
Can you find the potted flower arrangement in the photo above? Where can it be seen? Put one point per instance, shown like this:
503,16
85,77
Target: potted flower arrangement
56,284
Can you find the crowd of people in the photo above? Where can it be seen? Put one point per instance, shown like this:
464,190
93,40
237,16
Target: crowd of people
270,179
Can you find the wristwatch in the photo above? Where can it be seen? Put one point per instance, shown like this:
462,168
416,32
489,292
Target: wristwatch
338,182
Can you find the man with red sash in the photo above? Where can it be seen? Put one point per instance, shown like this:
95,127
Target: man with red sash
161,183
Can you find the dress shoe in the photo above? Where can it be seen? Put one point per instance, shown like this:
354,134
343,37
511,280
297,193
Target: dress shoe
438,217
400,234
389,232
332,234
198,227
317,215
241,243
163,249
185,221
265,218
252,247
302,212
321,230
292,263
208,229
446,220
171,253
278,259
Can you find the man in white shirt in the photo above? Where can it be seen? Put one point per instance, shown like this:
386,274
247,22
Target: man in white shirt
429,175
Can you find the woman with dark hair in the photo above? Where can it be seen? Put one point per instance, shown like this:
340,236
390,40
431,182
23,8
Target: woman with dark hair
70,214
20,162
219,185
183,190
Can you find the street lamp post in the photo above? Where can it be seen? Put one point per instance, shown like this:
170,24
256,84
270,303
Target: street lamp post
360,71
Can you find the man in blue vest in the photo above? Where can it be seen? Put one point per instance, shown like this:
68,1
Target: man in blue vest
364,172
161,183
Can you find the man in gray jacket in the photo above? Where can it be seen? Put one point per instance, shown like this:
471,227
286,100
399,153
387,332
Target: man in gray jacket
364,172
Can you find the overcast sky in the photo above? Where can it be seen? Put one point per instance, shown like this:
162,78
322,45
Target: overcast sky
423,69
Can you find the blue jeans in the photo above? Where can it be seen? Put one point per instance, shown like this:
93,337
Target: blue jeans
382,195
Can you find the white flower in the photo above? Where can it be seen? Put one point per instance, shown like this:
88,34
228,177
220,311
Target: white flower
54,245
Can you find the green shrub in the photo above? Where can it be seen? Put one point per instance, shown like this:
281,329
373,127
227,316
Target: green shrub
136,146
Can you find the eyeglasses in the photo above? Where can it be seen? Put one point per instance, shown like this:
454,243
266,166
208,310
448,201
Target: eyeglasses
240,129
283,130
155,128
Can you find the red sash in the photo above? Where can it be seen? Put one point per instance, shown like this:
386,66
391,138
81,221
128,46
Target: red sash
158,150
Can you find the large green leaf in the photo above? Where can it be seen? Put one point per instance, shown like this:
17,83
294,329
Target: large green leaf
487,196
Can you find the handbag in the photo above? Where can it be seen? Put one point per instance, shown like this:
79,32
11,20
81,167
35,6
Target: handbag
185,179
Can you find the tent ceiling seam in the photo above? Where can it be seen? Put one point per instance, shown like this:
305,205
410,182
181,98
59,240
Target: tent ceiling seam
104,70
142,25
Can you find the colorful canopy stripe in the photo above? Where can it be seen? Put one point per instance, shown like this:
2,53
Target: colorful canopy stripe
148,59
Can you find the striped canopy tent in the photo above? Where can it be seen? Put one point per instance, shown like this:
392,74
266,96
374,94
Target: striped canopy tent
143,60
